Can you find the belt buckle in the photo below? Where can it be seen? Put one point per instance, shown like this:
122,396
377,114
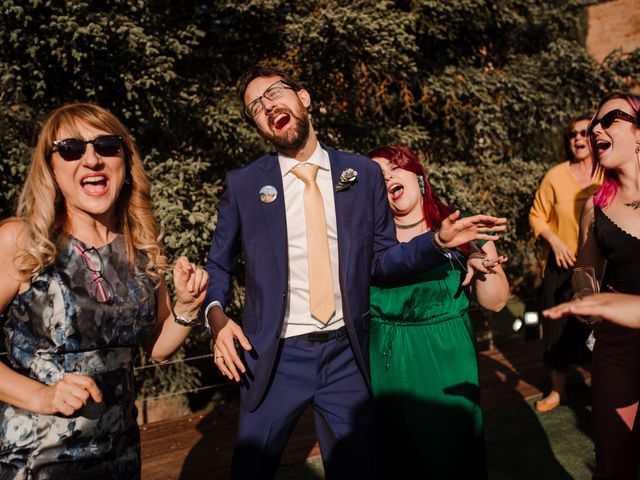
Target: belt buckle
326,336
318,336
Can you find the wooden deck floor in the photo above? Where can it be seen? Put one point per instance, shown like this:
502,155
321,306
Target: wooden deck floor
199,446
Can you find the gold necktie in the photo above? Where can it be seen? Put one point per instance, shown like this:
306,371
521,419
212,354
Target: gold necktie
321,296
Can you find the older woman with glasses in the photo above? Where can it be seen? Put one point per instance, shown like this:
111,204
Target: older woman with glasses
554,218
82,286
609,242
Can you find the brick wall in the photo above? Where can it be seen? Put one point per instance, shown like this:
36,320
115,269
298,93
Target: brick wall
613,24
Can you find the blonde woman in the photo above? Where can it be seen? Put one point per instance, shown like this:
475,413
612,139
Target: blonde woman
81,283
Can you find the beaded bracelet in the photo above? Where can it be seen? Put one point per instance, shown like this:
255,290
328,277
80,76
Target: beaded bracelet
185,322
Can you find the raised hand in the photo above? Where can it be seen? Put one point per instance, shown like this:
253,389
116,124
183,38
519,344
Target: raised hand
619,308
483,264
67,396
456,231
190,284
225,331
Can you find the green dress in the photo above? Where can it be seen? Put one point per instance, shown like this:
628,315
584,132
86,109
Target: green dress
424,373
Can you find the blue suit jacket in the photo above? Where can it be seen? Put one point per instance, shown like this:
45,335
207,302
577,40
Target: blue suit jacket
367,247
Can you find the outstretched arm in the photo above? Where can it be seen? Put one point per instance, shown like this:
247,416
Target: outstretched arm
618,308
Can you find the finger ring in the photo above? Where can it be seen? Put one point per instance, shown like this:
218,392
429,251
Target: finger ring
218,356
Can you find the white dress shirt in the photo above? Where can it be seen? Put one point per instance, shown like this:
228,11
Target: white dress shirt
298,319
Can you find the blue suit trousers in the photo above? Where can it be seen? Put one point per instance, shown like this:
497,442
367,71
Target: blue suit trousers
326,376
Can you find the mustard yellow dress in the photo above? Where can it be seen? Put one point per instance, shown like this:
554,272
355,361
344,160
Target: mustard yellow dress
557,206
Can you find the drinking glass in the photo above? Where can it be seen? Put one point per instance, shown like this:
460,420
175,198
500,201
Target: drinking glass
585,284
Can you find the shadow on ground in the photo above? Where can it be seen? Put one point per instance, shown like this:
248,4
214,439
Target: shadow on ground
521,443
526,445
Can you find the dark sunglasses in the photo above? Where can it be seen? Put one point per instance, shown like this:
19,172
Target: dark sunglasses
73,148
574,133
607,120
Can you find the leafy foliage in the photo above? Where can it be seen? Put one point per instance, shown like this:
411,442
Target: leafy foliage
480,88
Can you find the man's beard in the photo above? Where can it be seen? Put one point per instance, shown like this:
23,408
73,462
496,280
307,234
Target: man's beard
294,138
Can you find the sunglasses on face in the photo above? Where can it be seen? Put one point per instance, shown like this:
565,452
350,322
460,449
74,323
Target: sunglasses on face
575,133
607,120
73,148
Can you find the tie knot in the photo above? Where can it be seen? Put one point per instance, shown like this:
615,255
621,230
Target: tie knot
307,172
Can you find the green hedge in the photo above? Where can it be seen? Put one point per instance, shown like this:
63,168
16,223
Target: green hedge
480,88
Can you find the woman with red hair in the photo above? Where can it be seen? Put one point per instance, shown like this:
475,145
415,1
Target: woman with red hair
424,368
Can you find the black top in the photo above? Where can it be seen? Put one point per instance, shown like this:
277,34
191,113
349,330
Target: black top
622,251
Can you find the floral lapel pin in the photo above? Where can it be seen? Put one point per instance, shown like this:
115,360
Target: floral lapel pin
347,178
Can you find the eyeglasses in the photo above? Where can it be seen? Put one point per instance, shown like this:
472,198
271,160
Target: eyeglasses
575,133
607,120
100,289
73,149
273,92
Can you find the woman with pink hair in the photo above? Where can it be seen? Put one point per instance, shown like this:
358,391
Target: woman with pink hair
609,242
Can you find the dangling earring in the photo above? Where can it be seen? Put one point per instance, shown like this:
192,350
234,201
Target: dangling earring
421,184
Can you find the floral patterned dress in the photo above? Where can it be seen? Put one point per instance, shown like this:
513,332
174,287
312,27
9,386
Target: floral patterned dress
85,314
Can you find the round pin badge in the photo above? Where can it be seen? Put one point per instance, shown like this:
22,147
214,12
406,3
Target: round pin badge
268,194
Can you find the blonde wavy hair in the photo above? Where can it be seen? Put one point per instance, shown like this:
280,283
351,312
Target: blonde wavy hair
41,206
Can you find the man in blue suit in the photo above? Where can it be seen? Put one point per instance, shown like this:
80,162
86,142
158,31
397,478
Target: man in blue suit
304,334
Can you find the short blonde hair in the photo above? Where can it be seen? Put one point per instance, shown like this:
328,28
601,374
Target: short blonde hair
41,207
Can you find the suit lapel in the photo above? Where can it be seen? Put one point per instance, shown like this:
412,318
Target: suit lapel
274,213
344,209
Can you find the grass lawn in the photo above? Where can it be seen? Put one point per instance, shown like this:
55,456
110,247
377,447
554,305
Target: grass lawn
523,444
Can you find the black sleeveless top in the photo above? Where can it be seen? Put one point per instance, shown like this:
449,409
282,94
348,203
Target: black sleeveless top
622,252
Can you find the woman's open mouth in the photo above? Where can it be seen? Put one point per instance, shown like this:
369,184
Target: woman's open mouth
96,184
602,146
395,190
